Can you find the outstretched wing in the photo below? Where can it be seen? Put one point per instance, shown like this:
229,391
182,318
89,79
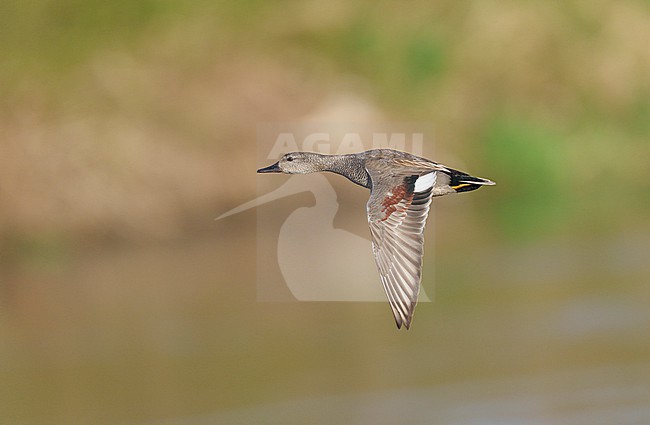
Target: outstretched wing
397,212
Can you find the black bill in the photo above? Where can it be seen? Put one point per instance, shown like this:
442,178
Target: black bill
275,168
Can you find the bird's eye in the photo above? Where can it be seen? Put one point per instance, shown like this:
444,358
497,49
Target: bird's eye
289,158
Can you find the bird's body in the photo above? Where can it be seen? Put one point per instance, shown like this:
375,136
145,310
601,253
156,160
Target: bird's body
401,187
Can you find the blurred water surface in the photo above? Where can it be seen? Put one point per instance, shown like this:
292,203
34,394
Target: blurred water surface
590,396
174,334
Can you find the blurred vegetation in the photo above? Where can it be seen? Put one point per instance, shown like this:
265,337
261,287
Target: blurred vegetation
552,101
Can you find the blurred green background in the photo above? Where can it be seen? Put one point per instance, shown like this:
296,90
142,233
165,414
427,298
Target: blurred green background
126,127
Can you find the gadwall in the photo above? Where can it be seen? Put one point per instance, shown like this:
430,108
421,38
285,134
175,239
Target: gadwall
401,187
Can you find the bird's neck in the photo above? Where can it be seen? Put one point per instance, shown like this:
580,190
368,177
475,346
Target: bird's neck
349,166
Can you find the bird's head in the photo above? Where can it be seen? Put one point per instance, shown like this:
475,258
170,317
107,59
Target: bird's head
296,163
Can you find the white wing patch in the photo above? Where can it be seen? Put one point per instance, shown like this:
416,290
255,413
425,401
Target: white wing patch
425,182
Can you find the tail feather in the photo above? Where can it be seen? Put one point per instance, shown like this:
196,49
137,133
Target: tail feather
463,182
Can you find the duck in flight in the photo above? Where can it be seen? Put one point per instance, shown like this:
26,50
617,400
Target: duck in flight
401,187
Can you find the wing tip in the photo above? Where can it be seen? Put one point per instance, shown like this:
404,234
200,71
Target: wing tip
406,323
477,180
486,182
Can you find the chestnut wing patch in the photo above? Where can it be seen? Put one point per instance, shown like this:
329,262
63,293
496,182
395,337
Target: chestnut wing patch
398,198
